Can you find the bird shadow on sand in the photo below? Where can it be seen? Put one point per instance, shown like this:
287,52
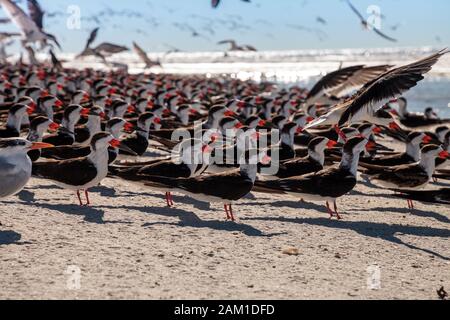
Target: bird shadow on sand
26,196
177,199
288,204
415,212
371,195
189,219
9,237
104,191
90,214
383,231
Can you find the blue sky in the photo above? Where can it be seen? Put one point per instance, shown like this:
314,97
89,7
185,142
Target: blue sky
266,24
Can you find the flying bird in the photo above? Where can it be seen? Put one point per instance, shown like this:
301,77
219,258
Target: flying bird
144,57
235,47
215,3
102,51
367,25
30,26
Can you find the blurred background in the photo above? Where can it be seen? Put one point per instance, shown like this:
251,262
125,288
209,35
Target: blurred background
284,41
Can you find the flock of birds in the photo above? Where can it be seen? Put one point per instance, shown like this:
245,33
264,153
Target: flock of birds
32,30
102,124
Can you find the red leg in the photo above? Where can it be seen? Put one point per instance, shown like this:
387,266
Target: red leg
79,197
225,206
336,211
231,213
86,193
168,199
412,204
171,199
330,212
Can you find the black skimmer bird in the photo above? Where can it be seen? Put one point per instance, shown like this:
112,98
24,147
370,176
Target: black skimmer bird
443,163
31,27
367,25
362,107
144,57
138,141
114,127
66,133
15,165
215,115
191,161
235,47
46,106
326,185
313,162
411,155
416,120
407,177
84,133
38,127
225,188
83,173
14,121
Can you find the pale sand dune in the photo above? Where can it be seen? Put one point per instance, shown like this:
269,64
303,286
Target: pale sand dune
128,245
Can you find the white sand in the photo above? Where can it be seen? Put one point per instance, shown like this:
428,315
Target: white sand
129,245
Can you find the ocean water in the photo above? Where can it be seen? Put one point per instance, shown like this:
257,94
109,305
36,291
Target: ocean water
302,67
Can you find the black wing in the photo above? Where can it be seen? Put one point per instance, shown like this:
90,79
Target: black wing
361,17
56,63
166,169
53,38
76,172
215,3
36,13
334,79
390,84
383,35
92,38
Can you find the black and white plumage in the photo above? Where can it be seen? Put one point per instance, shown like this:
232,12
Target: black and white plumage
66,133
414,176
225,188
13,124
144,57
31,26
138,141
80,173
389,85
326,185
38,127
367,25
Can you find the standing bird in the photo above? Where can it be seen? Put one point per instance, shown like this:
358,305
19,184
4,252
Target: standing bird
15,165
326,185
83,173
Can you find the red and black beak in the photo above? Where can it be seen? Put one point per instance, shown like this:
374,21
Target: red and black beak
53,126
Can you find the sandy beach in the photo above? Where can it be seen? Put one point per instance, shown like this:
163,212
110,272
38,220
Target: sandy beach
128,245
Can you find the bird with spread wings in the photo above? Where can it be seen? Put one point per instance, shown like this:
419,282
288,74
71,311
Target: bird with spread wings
367,25
31,27
101,51
144,57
